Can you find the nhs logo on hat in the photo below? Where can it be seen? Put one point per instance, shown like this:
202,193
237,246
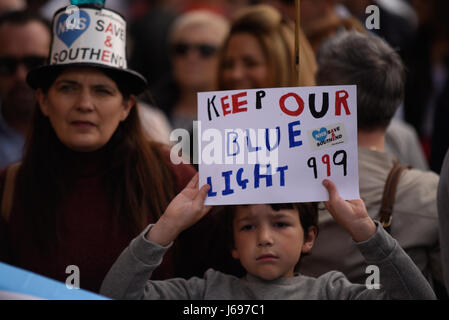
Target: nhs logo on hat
70,27
89,35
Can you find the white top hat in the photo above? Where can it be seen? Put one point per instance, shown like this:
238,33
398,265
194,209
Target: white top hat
88,36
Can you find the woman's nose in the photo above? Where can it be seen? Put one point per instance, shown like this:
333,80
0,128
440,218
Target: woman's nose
84,102
237,72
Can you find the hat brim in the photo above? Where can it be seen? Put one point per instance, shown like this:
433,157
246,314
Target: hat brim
39,76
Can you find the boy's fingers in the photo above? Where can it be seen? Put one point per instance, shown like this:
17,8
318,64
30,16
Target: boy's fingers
194,181
331,188
204,191
201,197
202,194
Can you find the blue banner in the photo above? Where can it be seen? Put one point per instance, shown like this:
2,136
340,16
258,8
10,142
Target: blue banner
16,283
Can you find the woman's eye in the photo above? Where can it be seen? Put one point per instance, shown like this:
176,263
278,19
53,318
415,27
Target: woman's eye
65,88
251,63
246,227
104,91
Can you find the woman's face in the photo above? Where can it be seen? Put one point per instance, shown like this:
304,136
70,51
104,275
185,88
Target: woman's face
85,107
245,65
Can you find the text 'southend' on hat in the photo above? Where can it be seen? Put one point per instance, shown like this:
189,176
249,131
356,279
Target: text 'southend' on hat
88,37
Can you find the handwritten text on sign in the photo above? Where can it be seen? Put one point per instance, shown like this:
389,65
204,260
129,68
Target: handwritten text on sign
277,145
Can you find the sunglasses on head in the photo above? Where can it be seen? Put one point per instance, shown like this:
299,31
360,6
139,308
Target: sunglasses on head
204,49
9,65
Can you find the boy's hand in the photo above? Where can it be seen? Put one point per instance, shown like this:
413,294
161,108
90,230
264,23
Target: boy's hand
184,210
351,215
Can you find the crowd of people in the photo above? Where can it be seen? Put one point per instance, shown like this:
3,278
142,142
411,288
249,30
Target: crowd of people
86,177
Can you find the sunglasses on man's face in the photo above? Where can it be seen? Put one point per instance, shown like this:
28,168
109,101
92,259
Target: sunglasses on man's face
9,65
204,49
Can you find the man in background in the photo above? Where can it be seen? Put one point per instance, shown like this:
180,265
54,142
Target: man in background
24,39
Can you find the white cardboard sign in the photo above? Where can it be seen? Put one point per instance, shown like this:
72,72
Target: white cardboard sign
277,145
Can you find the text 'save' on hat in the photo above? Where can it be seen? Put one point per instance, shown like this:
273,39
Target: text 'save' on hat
97,39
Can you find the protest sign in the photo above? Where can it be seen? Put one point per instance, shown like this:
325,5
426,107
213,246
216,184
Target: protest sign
277,145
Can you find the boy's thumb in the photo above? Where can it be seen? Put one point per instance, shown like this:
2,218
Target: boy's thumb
203,192
331,188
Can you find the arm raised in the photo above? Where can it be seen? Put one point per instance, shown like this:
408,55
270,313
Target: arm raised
351,214
184,210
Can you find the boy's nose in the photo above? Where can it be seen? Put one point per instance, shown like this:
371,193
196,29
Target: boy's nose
265,237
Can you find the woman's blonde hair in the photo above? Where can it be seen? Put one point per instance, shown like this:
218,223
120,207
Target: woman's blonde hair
277,38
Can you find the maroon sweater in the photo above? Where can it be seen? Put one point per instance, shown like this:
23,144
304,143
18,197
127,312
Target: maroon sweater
87,237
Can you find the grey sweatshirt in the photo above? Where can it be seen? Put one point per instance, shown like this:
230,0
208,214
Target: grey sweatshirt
399,278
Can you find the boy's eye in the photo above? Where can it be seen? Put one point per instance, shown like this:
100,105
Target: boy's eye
281,224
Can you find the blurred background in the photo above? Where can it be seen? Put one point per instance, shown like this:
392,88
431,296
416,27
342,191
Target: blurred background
158,47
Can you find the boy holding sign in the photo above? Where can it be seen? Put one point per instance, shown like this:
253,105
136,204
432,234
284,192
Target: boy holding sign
268,244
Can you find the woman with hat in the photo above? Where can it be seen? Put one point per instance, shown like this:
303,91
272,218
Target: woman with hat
89,180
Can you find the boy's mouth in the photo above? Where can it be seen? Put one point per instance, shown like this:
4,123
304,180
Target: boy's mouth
267,257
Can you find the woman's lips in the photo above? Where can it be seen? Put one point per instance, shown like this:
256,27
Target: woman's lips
83,124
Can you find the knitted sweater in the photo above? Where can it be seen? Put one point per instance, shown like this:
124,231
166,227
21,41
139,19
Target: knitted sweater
90,238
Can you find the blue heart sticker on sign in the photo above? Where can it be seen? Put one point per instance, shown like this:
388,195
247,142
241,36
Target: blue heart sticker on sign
70,28
320,135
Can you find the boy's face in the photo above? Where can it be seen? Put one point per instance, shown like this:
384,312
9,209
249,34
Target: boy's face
269,243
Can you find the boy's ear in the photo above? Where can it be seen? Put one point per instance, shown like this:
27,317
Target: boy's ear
309,239
235,254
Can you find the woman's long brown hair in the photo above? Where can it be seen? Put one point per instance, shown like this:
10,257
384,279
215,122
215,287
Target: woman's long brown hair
138,180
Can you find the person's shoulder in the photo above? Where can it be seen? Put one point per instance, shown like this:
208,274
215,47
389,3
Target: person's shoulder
324,286
417,178
217,278
212,273
399,127
417,193
222,284
330,276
